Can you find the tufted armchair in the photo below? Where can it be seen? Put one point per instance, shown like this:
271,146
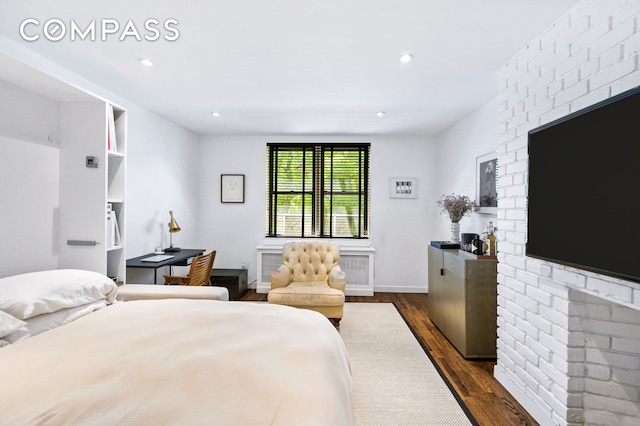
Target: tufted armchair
310,278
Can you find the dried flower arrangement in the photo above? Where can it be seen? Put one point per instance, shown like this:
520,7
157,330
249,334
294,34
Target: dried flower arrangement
456,206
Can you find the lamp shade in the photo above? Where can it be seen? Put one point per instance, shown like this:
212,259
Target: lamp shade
173,225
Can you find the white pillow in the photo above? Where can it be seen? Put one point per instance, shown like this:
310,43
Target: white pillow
9,324
27,295
41,323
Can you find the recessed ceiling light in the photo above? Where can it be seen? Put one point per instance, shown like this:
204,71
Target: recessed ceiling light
146,62
406,57
380,113
215,114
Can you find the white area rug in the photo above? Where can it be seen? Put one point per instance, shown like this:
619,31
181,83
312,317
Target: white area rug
395,382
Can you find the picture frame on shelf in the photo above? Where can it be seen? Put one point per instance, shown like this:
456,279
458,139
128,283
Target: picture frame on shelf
403,187
232,188
487,183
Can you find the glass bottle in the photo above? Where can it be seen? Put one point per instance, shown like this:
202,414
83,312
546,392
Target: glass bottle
485,242
491,241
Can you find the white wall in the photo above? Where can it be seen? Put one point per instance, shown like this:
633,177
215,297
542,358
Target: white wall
29,172
400,228
458,148
162,175
28,206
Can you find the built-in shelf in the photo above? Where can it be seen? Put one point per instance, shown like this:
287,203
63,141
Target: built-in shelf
88,194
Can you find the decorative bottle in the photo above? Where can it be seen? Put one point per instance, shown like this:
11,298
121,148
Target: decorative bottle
491,241
485,242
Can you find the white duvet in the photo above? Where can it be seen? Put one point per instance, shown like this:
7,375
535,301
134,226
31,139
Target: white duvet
187,362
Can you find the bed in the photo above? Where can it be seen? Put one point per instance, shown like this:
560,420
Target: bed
172,361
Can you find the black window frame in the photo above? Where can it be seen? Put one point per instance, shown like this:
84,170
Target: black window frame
322,191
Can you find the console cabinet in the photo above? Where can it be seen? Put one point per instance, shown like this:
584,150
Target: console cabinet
463,300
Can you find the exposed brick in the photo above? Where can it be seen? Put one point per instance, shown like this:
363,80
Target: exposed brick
592,98
550,399
604,289
624,314
572,93
598,372
539,349
596,356
554,345
610,41
591,53
614,72
554,316
572,64
523,324
590,68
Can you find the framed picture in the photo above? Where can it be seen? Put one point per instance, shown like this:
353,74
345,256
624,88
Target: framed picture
403,187
232,188
487,183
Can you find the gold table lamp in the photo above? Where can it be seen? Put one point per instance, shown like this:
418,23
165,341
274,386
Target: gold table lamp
173,227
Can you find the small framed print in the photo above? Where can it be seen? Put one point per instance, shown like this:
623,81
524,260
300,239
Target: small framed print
403,188
487,183
232,188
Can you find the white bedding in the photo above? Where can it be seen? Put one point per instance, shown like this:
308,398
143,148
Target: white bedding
41,323
28,295
179,361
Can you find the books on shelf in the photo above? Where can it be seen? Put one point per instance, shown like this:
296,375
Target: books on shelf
112,143
113,229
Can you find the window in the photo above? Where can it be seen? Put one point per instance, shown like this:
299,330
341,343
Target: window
319,190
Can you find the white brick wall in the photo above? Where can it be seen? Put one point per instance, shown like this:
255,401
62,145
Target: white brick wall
607,390
544,349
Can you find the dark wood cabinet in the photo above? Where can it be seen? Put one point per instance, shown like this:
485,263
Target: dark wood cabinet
234,280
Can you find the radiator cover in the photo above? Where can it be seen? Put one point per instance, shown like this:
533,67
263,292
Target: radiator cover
357,262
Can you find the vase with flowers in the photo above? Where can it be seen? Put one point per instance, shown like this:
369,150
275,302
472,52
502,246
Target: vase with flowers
456,207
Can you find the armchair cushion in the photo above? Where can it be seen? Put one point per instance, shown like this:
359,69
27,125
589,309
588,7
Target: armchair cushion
307,294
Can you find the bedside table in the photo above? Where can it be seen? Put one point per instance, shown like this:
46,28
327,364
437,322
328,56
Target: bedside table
234,280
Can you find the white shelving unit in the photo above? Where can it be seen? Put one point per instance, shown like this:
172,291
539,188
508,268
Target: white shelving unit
85,191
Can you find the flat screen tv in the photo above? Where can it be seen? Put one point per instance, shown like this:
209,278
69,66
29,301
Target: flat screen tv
583,207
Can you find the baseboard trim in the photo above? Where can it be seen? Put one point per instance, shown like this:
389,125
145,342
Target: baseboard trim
540,416
403,289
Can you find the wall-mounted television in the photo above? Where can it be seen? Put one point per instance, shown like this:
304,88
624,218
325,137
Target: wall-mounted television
583,206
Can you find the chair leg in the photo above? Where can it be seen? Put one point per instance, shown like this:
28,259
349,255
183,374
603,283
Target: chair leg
335,322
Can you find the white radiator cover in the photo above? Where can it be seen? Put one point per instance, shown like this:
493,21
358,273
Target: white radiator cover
356,261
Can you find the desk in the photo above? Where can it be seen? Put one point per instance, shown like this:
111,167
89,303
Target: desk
181,258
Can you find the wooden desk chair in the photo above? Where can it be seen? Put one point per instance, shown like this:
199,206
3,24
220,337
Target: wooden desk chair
199,272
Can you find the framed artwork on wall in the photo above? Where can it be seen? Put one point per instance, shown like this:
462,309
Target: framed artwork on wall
232,188
403,187
487,183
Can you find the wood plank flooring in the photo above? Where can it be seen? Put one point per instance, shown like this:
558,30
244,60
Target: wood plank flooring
473,380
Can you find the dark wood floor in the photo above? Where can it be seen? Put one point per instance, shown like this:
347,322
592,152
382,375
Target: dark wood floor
473,380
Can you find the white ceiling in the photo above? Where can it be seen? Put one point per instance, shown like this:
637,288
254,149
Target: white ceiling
297,66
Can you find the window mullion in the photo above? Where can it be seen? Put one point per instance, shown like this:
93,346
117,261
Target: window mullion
317,191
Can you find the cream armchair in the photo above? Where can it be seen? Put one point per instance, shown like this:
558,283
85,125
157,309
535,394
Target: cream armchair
310,278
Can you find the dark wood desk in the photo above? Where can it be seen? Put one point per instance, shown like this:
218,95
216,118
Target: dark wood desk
180,258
